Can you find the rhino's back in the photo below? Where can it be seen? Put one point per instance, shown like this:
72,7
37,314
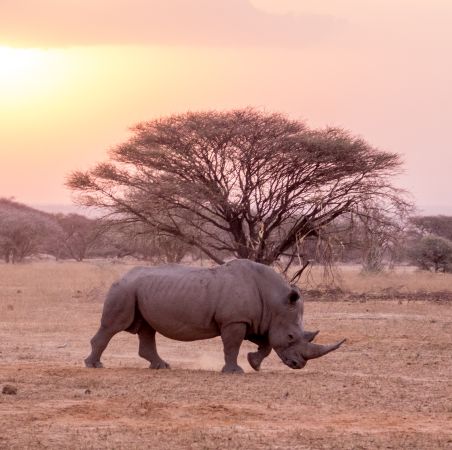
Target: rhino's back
179,302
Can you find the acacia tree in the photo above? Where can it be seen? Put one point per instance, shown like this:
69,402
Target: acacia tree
242,182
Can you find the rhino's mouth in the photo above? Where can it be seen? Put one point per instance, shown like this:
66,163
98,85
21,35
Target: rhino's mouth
293,363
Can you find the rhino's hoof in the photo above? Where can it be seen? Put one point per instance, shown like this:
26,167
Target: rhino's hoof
232,369
254,360
94,365
160,365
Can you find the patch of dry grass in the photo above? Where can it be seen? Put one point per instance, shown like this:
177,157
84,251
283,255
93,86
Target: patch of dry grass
402,280
32,293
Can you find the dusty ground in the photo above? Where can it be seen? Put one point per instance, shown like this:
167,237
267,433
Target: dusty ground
390,386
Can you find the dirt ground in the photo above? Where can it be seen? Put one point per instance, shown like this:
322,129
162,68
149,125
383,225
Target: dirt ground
389,386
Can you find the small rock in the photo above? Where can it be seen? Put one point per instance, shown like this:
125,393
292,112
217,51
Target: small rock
87,391
77,294
9,390
286,395
10,307
19,291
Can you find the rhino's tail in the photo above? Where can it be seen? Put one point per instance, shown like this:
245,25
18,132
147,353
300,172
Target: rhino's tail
137,321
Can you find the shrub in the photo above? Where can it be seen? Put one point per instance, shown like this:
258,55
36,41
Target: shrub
432,253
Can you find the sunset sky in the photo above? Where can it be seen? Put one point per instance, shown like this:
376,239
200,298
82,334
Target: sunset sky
75,74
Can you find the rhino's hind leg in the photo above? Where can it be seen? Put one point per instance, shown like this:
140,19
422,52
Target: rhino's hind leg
99,343
232,336
148,348
117,315
255,359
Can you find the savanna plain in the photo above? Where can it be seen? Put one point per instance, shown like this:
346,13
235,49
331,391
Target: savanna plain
388,386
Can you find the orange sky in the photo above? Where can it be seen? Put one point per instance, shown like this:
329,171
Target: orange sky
74,76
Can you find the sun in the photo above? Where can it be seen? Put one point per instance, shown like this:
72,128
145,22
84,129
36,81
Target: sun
27,72
15,61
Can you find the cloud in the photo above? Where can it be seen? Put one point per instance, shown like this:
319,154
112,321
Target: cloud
157,22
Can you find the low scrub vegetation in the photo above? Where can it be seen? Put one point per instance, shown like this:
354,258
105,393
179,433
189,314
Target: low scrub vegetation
373,243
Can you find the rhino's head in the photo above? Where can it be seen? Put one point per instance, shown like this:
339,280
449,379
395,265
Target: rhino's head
286,332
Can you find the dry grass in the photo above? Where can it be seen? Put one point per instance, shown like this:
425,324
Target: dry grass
33,294
388,387
404,280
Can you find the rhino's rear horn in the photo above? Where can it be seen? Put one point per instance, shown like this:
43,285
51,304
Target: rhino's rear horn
311,351
310,335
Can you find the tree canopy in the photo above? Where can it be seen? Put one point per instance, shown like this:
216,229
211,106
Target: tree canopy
242,182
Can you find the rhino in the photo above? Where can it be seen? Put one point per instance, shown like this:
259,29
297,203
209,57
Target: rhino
239,300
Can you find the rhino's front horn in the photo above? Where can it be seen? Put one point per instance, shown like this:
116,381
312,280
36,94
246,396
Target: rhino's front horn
311,351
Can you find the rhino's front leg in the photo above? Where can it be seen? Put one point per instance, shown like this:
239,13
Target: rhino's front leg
232,336
255,359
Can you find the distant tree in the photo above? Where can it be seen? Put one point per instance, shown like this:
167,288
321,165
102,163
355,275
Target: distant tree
438,225
433,253
170,249
119,243
372,236
24,231
138,241
242,183
79,235
380,235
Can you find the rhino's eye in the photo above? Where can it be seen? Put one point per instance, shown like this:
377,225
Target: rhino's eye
291,337
293,297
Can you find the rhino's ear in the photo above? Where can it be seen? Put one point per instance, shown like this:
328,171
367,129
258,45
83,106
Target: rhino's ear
294,296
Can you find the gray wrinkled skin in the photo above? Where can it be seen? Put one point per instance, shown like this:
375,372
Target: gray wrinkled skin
238,300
